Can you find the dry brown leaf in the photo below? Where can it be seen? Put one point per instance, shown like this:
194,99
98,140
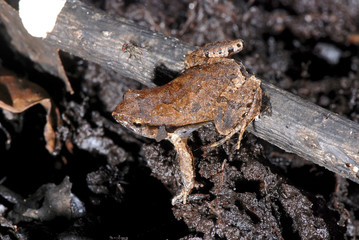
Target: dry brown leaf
17,95
35,48
353,38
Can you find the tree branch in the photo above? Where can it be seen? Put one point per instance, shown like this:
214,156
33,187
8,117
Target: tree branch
295,125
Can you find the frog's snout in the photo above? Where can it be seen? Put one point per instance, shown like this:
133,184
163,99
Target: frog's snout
115,115
118,113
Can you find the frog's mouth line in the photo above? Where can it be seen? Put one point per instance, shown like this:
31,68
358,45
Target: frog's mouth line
154,131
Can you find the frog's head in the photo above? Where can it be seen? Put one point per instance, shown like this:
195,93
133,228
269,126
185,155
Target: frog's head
129,115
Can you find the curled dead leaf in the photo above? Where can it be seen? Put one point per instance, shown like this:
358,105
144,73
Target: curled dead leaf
353,38
17,95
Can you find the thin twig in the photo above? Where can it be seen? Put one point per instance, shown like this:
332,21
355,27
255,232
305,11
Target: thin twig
294,124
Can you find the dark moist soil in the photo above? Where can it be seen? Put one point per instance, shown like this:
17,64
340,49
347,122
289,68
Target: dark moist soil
107,183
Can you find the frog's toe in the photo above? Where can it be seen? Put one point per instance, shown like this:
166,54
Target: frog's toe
205,149
197,185
208,148
238,144
181,197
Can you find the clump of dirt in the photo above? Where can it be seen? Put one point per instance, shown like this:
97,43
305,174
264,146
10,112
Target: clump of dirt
241,196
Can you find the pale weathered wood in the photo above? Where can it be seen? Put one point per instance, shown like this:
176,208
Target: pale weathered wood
98,37
294,125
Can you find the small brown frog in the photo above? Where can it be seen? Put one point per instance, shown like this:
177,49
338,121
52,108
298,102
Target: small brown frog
212,89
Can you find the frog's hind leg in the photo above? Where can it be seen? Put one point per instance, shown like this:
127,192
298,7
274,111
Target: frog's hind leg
186,163
247,117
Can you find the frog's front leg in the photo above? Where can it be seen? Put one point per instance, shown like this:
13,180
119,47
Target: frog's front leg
239,128
186,166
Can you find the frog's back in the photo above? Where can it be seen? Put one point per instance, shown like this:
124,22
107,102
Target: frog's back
193,97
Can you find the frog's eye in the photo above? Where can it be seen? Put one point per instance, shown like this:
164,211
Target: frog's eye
239,45
137,124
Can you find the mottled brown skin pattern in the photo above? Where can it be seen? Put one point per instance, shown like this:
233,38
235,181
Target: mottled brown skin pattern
212,89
